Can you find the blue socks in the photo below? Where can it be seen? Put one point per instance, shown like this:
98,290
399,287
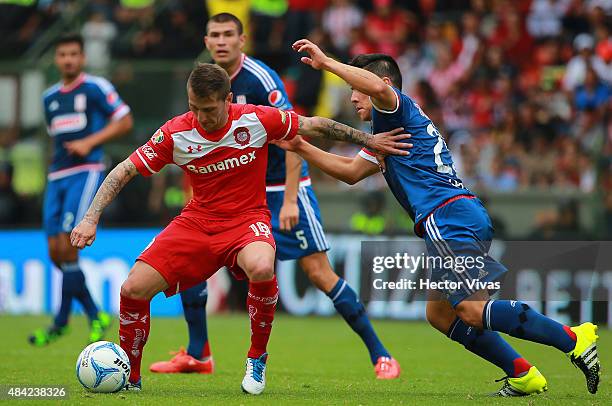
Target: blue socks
352,310
521,321
194,305
73,286
490,346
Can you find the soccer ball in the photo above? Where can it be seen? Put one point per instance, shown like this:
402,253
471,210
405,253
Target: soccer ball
103,367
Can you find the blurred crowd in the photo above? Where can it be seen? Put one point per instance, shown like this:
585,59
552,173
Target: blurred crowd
520,88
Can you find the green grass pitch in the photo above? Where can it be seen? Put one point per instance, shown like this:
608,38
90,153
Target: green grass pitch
312,361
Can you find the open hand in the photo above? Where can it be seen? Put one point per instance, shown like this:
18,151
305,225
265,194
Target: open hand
388,143
316,58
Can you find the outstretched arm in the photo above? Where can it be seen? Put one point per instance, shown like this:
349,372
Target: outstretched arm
348,170
85,232
359,79
384,143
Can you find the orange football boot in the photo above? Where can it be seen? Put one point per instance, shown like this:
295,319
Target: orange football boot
387,368
183,363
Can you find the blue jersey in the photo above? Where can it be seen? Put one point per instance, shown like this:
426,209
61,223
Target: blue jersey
76,111
425,179
256,83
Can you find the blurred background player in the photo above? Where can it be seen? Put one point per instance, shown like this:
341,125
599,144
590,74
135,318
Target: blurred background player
452,221
296,220
82,112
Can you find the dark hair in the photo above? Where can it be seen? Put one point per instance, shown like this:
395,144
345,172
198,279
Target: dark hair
69,38
381,65
208,80
225,18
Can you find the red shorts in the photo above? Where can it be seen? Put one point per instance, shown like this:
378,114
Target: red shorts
190,249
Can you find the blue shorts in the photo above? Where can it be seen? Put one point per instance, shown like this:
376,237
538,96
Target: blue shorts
67,199
460,234
307,237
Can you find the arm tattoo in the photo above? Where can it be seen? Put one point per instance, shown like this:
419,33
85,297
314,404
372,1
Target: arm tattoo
110,188
334,130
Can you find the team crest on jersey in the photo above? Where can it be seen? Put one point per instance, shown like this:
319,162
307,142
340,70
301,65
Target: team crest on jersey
112,97
241,99
275,98
242,136
54,105
158,137
80,102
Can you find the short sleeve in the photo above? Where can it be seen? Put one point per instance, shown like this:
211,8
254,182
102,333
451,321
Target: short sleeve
397,105
109,101
155,154
279,124
368,155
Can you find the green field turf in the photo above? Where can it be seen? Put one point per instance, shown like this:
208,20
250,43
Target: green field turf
312,361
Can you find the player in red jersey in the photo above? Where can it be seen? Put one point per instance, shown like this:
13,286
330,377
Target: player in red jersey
223,148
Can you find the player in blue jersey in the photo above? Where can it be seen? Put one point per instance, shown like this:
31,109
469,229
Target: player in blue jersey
296,221
82,112
453,222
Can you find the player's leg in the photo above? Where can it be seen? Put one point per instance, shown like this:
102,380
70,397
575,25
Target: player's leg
168,264
52,214
488,345
347,303
519,320
307,243
194,306
458,237
142,283
78,194
257,261
197,358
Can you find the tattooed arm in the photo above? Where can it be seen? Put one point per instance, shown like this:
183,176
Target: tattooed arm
85,232
384,143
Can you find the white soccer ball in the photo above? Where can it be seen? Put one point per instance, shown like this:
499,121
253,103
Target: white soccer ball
103,367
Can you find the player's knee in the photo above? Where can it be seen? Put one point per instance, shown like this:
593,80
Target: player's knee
262,269
130,289
468,312
66,252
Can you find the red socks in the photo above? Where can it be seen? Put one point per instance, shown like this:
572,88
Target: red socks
205,351
521,366
134,324
261,304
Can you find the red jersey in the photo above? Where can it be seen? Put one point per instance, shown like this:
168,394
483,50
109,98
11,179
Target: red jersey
227,167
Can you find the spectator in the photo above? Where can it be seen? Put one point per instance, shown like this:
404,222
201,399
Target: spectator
387,27
98,33
339,20
545,17
592,94
577,66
